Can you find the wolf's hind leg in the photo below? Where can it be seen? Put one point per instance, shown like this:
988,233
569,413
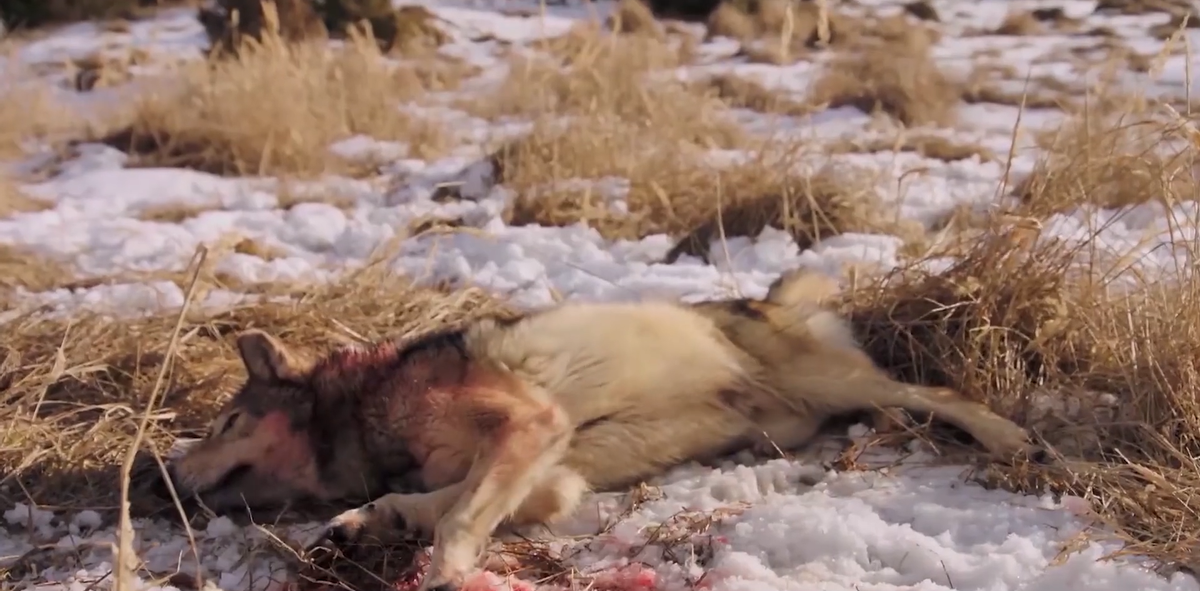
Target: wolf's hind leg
844,381
557,496
785,432
996,433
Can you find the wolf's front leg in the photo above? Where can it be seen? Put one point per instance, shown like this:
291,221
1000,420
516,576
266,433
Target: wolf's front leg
392,513
515,459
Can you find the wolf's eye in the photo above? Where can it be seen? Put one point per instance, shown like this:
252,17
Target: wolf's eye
230,421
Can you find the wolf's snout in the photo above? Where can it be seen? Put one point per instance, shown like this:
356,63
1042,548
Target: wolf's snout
164,482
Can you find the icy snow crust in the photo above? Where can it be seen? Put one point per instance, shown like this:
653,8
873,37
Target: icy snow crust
908,527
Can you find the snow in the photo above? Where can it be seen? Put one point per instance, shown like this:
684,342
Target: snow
791,524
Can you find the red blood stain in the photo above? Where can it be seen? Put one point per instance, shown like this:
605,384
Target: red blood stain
631,577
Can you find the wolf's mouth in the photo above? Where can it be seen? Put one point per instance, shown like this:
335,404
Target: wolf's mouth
232,476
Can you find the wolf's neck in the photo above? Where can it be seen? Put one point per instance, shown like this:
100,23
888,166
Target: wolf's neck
345,373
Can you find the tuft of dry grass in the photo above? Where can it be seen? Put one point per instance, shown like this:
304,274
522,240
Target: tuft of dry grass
741,92
1178,21
587,71
747,20
1068,337
751,197
229,23
30,110
634,16
898,79
172,213
1019,23
662,165
255,248
922,10
14,201
654,133
24,268
1012,322
239,116
32,14
1040,93
930,146
622,122
406,29
1111,157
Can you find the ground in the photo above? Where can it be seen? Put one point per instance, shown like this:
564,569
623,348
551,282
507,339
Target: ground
1007,191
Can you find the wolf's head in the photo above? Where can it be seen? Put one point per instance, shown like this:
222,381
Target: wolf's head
259,450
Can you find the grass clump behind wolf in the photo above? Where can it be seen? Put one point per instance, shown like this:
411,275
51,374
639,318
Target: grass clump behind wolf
28,14
232,20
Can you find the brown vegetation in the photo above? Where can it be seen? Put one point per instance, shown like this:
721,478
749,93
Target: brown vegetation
30,14
1008,322
904,83
1112,157
237,117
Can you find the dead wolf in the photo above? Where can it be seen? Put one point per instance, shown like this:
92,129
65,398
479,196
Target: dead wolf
513,421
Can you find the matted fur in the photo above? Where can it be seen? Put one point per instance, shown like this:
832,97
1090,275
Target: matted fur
515,420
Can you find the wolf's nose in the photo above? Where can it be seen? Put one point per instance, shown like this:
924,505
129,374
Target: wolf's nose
160,487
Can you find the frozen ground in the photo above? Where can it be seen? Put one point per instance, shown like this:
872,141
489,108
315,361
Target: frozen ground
907,528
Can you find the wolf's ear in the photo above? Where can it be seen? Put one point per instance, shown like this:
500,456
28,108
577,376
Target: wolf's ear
266,358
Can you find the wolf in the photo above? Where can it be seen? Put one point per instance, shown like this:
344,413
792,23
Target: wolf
513,420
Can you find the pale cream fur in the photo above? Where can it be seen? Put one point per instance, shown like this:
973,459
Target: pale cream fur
615,391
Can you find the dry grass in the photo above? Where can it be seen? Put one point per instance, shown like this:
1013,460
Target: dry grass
30,111
1015,319
590,73
405,29
634,16
829,202
238,116
1009,323
1005,323
666,177
899,79
71,391
930,146
229,22
255,248
741,92
1018,23
27,269
1034,96
31,14
799,22
172,213
922,10
653,133
13,200
1038,21
1110,157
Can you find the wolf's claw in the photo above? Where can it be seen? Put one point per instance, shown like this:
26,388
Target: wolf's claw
348,527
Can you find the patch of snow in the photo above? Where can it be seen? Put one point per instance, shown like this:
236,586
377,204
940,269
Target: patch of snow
791,524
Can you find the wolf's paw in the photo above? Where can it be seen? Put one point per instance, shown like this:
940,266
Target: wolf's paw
349,527
446,579
1005,438
765,449
429,584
